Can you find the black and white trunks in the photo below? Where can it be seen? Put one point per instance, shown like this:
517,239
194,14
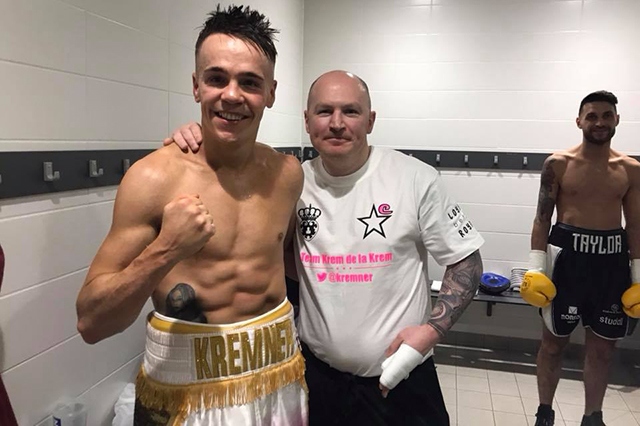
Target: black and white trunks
591,271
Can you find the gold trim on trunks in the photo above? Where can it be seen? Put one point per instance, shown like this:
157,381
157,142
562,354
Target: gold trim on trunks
191,367
180,400
171,325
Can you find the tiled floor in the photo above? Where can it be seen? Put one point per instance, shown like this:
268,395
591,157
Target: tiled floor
478,397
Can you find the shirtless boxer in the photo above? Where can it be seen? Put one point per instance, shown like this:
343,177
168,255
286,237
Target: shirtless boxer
586,255
202,235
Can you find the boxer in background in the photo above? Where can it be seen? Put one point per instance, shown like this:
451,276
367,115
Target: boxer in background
203,236
581,270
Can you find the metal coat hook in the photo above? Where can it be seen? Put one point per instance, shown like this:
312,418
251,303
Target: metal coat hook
466,159
126,163
94,171
49,174
525,161
438,159
495,160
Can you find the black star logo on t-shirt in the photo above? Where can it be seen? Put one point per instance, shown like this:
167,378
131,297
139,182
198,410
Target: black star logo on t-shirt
374,222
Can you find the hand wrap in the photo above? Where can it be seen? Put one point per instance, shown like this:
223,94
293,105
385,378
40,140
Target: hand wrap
399,365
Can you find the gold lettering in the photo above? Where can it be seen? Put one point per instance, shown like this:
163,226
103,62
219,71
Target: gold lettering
258,349
200,347
218,356
250,357
270,342
289,338
280,328
234,354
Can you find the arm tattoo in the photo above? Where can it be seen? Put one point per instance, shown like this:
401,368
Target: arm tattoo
459,285
546,202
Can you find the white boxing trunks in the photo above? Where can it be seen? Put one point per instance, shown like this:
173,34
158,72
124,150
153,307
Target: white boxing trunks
245,373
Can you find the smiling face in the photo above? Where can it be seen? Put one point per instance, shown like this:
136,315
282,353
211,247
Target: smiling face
598,121
339,118
233,83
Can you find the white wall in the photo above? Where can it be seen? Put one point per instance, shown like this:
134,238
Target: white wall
504,75
95,74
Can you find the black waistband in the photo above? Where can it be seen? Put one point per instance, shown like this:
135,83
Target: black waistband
588,241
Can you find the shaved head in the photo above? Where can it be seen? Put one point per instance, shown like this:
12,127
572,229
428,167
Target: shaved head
336,73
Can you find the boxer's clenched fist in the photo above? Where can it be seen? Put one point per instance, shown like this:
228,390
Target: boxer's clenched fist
186,226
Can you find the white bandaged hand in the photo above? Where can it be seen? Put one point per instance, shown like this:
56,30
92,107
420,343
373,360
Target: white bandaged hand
399,365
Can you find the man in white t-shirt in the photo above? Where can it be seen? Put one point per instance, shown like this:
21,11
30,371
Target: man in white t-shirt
365,222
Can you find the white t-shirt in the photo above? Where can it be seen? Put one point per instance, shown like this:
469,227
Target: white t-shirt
361,252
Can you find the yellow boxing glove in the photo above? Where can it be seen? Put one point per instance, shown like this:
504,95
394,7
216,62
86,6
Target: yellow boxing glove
631,297
536,288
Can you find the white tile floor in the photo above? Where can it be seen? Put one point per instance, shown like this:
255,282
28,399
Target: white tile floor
477,397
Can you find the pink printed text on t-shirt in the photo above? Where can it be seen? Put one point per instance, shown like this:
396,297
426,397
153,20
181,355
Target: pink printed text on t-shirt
369,259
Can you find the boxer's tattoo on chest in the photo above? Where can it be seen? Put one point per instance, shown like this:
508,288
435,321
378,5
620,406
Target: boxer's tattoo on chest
459,285
546,201
183,304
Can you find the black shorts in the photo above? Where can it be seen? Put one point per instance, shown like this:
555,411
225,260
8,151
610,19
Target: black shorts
591,271
338,398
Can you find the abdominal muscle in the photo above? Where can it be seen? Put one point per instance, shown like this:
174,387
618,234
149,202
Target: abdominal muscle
228,291
239,273
591,216
590,197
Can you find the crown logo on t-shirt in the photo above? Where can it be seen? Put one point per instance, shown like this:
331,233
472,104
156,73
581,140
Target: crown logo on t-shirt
308,224
309,213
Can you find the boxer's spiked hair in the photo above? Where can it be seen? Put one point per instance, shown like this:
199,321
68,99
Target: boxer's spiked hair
244,23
